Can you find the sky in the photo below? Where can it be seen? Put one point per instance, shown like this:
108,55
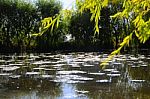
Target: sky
67,4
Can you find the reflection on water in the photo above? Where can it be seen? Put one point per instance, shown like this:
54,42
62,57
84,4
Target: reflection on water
74,76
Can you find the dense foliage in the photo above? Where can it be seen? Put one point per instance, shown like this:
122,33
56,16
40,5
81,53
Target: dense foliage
20,19
94,25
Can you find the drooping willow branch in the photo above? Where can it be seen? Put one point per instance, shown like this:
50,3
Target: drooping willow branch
48,23
142,26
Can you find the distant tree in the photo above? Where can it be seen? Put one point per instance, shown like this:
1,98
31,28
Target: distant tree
19,20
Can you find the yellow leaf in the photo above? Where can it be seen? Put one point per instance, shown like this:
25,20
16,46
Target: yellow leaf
136,34
105,3
116,15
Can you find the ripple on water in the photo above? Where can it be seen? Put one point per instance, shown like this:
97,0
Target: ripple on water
39,68
38,63
70,72
15,76
77,62
81,91
133,59
144,65
103,81
5,74
2,61
137,81
32,73
88,65
74,82
133,66
114,75
47,76
10,68
96,73
75,65
115,71
80,78
117,64
109,70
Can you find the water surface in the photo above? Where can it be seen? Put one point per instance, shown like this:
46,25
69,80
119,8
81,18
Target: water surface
74,76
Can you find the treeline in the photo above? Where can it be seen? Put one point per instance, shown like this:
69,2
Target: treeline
20,19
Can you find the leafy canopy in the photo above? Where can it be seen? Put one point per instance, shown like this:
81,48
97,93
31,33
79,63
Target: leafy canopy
135,10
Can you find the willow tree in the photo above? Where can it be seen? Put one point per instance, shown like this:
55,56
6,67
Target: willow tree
135,10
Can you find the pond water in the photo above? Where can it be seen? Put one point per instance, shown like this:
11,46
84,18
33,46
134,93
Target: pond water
74,76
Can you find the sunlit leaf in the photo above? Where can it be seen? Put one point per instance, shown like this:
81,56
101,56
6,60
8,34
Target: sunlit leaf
105,3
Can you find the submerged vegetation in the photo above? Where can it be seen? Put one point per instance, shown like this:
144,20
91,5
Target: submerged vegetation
94,25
